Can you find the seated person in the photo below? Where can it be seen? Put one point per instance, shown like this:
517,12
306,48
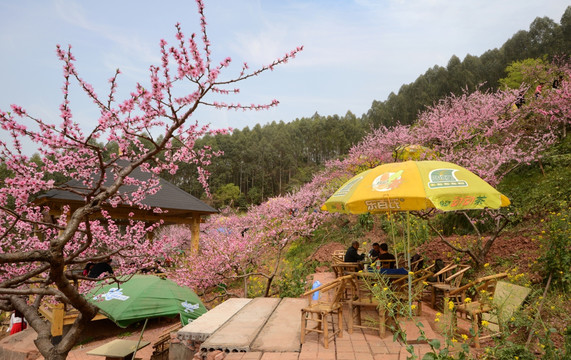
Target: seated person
87,269
385,255
100,268
351,255
375,252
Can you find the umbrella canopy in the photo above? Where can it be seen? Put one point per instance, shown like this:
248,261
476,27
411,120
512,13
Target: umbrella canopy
146,296
413,186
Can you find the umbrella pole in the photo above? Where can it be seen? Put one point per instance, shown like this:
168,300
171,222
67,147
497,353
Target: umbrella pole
408,256
140,338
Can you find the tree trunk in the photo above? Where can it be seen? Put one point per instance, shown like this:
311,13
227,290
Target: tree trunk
53,355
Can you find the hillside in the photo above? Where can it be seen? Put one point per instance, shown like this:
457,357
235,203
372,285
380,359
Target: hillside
276,158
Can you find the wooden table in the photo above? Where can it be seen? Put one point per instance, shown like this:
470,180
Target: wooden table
118,349
374,274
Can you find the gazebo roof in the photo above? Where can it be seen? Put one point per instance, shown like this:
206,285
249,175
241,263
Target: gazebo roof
179,205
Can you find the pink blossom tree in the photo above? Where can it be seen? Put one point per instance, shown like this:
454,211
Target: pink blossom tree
153,130
239,246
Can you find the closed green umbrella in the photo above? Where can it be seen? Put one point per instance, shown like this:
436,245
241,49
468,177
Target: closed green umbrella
146,296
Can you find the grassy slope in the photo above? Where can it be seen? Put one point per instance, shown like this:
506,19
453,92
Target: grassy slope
536,191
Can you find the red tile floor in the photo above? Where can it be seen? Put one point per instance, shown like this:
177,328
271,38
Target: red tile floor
363,344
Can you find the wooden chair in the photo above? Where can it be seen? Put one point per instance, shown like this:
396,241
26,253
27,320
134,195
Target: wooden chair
401,288
343,268
475,309
338,256
451,276
385,264
328,304
161,346
364,298
415,265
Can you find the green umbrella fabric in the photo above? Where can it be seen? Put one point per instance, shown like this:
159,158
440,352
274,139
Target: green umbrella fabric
146,296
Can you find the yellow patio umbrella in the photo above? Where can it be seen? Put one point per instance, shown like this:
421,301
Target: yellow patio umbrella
413,186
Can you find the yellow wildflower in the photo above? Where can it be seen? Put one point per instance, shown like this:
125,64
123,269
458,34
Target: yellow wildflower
411,273
360,271
486,264
436,319
412,307
464,337
364,243
385,288
450,305
438,314
485,323
454,340
467,300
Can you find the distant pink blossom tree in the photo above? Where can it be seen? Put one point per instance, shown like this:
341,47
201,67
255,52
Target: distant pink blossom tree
154,132
482,131
237,246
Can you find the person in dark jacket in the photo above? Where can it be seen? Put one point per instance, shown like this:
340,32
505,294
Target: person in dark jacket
385,255
351,255
100,268
375,252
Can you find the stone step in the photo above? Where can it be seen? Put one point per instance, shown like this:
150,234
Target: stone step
238,333
283,329
201,328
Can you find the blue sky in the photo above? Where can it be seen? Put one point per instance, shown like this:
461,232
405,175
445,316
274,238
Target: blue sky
355,51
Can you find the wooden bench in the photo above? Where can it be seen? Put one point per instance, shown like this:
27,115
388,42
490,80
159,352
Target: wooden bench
58,316
161,346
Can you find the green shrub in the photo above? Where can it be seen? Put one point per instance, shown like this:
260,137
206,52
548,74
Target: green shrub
555,245
292,283
511,351
539,187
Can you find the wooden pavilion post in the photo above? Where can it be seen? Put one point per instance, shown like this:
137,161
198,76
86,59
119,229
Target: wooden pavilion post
194,233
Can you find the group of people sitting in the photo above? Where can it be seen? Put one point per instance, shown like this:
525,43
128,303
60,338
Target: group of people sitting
378,252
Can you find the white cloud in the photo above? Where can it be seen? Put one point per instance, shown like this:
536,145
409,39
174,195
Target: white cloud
354,51
125,39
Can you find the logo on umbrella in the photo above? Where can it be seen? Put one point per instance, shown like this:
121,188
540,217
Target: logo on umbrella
113,293
444,178
387,181
189,307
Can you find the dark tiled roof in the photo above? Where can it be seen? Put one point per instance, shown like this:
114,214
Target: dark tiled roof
168,197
